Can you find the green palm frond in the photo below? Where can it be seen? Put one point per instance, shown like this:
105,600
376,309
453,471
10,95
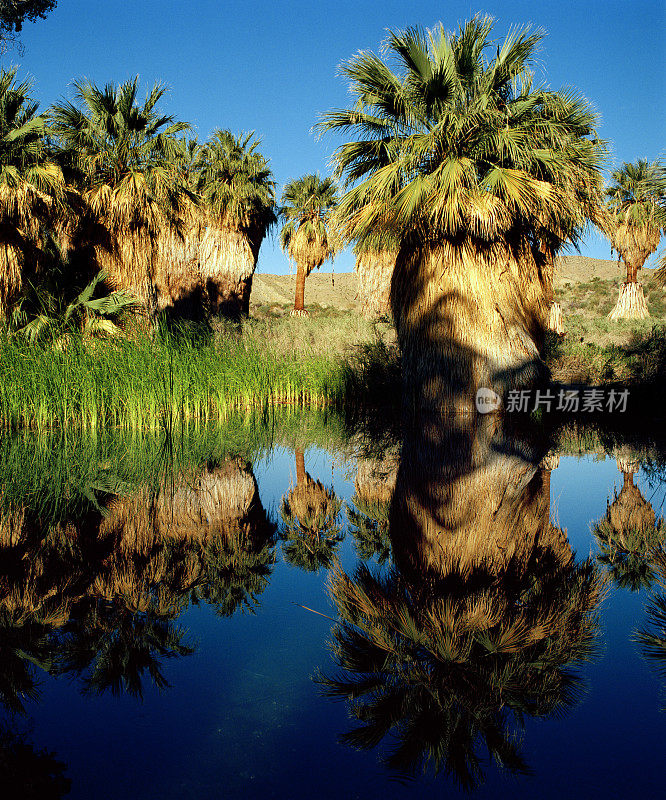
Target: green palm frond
123,154
449,142
235,182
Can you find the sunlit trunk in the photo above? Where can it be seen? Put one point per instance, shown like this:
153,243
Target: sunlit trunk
227,261
465,321
131,262
634,244
11,279
375,271
299,302
178,278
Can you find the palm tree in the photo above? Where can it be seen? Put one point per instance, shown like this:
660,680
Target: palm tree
29,183
470,167
306,237
238,201
59,317
122,154
637,204
310,512
630,535
479,620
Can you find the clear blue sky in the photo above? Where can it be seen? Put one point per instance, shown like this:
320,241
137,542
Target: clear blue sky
271,67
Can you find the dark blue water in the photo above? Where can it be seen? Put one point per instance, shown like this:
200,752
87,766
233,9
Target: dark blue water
243,717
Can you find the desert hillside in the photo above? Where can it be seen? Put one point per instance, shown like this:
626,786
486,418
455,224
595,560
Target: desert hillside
340,289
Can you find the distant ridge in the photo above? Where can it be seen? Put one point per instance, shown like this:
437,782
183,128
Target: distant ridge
341,289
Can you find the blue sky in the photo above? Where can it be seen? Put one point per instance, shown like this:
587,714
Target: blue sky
271,67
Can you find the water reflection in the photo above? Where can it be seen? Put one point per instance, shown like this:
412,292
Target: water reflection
483,617
28,773
310,514
368,514
651,636
463,612
630,535
95,595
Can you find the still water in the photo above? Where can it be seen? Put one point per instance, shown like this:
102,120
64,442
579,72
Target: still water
293,608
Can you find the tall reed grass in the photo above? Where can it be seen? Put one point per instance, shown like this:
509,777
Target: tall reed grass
61,474
149,382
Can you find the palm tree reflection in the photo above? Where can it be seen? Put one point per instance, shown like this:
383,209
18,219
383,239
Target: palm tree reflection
28,773
368,514
111,648
97,596
311,531
651,636
630,534
480,621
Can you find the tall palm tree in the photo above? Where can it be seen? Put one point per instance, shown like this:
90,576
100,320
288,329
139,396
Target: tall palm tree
29,183
470,166
238,202
637,203
121,153
306,236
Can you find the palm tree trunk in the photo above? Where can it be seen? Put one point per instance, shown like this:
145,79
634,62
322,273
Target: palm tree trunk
631,300
299,302
465,321
300,466
632,272
375,271
554,322
11,279
227,262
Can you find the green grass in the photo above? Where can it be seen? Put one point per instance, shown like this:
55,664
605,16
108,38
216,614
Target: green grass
595,350
148,382
62,474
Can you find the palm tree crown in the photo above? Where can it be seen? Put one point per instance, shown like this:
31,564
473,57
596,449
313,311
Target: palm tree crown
29,180
122,152
236,184
306,206
453,145
637,202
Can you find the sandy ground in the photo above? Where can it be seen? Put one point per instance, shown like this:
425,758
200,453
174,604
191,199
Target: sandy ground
340,290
